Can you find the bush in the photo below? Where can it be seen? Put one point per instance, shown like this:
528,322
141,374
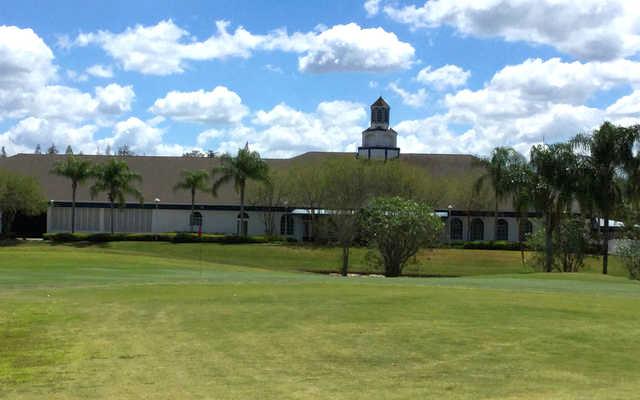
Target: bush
491,245
629,252
180,237
570,245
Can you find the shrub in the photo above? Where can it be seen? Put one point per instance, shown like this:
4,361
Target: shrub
491,245
570,245
629,252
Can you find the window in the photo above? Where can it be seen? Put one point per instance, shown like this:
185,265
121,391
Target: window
502,230
386,116
286,224
242,224
477,229
379,115
526,229
456,229
195,219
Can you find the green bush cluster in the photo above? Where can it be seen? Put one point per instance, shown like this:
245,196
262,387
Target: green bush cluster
487,245
180,237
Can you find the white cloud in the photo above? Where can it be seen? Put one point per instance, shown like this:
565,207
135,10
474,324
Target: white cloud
165,48
352,48
625,106
114,99
588,29
416,99
443,77
100,71
372,7
30,132
284,131
219,105
138,135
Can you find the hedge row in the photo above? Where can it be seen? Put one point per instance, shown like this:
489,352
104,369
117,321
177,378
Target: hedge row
64,237
488,245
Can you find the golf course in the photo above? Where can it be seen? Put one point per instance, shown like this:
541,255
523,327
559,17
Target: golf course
209,321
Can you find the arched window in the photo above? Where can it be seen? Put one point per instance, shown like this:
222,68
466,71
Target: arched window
242,224
386,116
502,230
526,229
286,224
456,229
379,115
195,219
477,229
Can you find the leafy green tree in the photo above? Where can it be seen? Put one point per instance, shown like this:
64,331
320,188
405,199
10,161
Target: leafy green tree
52,149
193,181
603,157
68,151
77,171
19,194
117,180
498,174
271,195
3,153
398,228
553,186
246,165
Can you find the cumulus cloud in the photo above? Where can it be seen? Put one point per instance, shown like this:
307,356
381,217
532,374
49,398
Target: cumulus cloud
219,105
31,131
100,71
525,104
114,99
284,131
416,99
372,7
139,136
447,76
588,29
165,48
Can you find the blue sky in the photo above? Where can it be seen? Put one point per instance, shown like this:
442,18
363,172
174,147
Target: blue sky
288,76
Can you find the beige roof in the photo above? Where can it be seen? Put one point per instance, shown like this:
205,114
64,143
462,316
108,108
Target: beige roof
159,174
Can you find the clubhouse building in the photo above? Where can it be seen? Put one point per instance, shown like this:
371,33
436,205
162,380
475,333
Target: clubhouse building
166,210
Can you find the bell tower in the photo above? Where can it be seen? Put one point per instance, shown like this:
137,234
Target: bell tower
379,141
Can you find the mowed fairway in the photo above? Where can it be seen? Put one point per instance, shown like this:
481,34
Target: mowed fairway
147,320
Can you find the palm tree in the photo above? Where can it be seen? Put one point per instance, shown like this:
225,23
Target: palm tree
521,197
553,186
193,181
498,172
246,165
603,158
115,179
77,171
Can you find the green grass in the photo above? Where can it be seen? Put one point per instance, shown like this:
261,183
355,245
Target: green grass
438,262
150,320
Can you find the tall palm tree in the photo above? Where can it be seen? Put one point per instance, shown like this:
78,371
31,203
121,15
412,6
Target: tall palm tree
553,187
521,197
193,181
246,165
116,179
498,169
603,157
77,171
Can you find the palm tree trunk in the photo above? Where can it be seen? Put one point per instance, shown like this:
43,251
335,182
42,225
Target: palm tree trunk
74,187
243,230
605,246
193,206
548,248
345,259
111,205
495,220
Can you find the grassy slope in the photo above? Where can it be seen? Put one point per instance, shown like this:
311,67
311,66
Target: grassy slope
99,323
441,262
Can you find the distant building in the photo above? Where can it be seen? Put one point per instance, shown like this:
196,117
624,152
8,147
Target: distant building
379,141
165,210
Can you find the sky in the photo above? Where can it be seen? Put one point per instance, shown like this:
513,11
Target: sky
165,78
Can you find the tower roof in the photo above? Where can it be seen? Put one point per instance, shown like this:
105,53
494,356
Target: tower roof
380,102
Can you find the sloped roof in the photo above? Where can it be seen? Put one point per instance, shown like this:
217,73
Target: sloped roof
380,103
160,174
